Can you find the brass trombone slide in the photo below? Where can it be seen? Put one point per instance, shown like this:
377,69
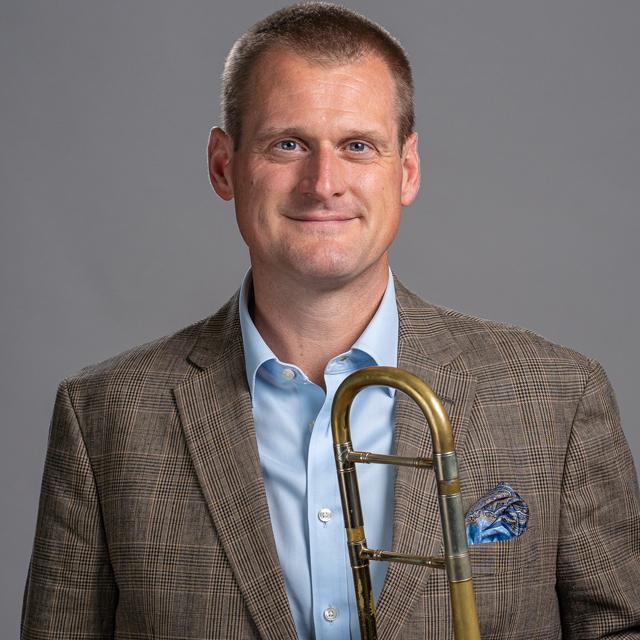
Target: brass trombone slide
444,463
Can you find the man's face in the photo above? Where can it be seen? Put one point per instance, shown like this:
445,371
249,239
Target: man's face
319,180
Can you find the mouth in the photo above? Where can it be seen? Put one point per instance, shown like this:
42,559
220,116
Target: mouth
323,221
323,216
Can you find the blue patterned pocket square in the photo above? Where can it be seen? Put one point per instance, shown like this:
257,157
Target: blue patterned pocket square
501,515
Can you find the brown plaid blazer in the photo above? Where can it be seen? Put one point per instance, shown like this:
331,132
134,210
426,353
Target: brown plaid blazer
153,520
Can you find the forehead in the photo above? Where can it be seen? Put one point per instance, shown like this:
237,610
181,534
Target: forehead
285,86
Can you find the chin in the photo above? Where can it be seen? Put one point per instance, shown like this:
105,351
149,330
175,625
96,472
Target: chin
327,272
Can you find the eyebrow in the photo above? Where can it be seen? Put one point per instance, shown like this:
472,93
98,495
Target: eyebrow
277,132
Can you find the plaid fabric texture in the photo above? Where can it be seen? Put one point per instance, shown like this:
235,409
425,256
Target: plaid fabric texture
153,519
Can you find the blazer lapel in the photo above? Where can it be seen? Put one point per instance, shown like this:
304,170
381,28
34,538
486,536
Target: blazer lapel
427,349
215,410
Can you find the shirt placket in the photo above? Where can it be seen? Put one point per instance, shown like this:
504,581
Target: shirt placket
330,570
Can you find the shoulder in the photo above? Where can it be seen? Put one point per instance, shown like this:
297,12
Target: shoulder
150,369
485,346
488,341
155,364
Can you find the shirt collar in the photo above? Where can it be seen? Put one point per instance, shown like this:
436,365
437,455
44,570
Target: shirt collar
379,340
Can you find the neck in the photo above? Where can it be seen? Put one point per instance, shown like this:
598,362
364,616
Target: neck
308,326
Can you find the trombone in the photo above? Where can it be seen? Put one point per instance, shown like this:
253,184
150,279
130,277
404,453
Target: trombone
444,462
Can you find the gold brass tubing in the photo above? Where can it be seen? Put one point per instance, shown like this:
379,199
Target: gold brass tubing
463,604
401,461
418,390
364,601
355,535
392,556
444,464
448,487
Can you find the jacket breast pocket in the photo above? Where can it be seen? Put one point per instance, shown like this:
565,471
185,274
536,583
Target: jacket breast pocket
505,556
514,585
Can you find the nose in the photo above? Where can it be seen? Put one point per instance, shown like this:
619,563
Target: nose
324,175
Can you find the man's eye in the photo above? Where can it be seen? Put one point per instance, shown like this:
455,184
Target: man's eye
287,145
358,147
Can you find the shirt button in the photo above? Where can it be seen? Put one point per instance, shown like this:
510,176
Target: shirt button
288,374
324,515
330,614
311,425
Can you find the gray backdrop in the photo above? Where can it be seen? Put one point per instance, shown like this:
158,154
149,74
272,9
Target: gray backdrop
529,115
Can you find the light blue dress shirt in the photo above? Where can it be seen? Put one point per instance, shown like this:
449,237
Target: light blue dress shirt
292,422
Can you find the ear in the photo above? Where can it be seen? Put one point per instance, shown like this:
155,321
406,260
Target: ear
220,154
410,170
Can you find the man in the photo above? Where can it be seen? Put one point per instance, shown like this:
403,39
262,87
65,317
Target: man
189,488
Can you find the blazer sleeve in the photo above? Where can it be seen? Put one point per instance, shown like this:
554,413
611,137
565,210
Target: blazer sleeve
70,590
598,570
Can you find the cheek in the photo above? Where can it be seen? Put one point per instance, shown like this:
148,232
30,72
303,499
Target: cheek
382,183
280,180
257,209
268,187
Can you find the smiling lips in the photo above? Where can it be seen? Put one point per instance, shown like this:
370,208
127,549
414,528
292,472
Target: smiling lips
324,216
324,219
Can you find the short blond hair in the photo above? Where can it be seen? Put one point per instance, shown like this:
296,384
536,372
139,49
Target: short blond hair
325,34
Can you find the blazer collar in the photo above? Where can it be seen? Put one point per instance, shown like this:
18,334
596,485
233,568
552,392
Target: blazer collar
421,326
214,406
427,348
